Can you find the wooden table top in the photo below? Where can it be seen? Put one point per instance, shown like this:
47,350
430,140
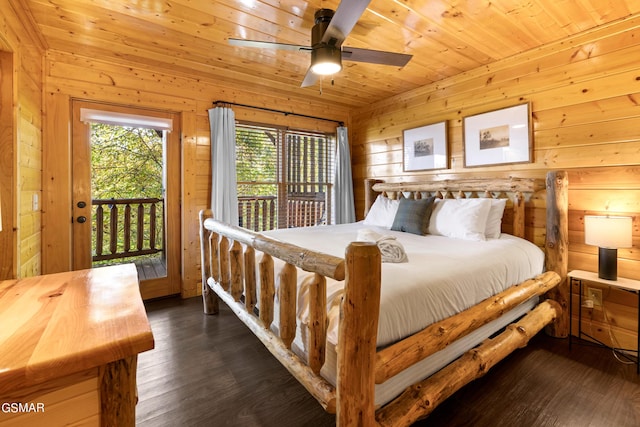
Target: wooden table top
59,324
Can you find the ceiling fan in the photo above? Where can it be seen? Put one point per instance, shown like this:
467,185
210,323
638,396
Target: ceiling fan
327,35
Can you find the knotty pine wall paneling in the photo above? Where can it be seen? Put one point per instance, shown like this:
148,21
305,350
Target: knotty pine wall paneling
584,93
77,77
601,191
20,240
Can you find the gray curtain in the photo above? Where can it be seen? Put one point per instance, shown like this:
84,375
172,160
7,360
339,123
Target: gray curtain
344,208
224,195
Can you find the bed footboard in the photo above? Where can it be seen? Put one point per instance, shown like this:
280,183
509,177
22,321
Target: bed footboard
229,273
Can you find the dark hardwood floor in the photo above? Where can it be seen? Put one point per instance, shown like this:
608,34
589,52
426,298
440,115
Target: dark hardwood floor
211,371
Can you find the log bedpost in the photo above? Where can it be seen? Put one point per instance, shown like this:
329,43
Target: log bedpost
224,257
317,320
209,298
369,193
518,214
250,297
287,293
557,247
358,332
235,269
267,290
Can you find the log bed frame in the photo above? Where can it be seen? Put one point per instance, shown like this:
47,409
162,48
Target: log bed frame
228,256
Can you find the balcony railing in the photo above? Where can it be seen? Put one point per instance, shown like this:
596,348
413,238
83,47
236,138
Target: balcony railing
126,228
257,213
261,213
306,209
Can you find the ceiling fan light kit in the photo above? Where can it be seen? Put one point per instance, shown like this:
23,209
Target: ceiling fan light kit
326,60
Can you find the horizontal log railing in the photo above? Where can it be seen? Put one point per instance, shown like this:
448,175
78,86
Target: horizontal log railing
127,227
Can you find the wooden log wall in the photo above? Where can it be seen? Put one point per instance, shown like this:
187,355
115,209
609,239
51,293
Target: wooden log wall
21,84
584,94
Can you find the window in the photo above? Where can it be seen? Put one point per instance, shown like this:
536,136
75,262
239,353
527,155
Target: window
284,177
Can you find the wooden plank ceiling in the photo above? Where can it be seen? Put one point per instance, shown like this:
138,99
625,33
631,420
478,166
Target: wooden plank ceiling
189,37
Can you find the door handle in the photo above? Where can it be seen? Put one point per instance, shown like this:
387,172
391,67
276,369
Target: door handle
82,219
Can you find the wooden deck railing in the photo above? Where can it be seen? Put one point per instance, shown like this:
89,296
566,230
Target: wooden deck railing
258,213
306,209
261,213
127,227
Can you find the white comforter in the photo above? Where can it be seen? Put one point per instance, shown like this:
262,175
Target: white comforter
443,276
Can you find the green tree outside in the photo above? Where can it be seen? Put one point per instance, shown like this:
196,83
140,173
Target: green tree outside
126,163
256,162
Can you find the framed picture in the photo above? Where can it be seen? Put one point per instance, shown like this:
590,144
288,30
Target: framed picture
425,148
498,137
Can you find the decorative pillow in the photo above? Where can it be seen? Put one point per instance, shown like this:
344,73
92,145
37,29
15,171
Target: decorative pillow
494,220
413,216
460,218
382,212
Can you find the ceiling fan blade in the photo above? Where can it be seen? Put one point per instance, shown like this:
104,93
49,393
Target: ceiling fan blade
309,79
267,45
343,21
375,56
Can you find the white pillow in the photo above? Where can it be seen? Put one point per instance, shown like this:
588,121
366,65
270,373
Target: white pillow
460,218
494,220
382,212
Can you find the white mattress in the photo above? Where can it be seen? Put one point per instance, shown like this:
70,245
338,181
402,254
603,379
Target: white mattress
444,276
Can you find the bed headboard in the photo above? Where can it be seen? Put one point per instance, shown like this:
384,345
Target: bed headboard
516,190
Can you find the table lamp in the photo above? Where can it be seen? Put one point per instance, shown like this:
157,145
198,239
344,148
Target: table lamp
608,233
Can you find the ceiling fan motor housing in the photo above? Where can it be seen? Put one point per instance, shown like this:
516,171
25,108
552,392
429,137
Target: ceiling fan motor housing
324,53
322,18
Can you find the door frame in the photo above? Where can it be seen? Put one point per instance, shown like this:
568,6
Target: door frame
8,148
80,134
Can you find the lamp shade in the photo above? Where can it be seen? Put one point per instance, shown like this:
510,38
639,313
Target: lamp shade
610,232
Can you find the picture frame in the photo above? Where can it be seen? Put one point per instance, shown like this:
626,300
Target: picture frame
498,137
425,148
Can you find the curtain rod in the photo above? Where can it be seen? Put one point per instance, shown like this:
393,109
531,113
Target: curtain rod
286,113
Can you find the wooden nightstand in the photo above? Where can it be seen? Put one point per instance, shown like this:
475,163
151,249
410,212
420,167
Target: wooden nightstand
628,285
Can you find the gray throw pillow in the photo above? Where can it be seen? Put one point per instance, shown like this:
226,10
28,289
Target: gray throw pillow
413,215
